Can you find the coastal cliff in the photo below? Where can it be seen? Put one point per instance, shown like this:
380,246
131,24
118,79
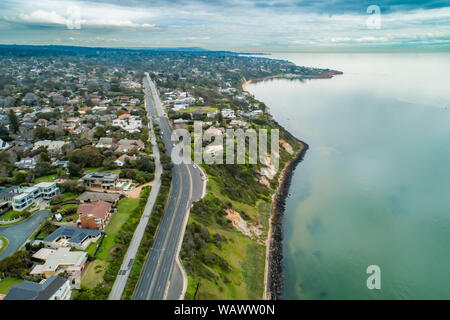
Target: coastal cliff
274,255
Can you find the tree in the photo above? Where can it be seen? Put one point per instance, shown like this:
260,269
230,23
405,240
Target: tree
144,135
44,169
13,121
99,132
75,170
127,174
43,133
44,157
145,164
87,156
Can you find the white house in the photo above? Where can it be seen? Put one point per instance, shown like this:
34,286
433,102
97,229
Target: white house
26,163
228,113
180,106
53,147
29,195
128,122
122,159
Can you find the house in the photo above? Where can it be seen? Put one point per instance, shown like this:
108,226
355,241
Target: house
26,163
238,123
7,193
122,159
228,113
4,145
53,147
101,180
181,106
67,236
89,196
53,288
63,164
128,122
59,261
105,142
29,195
126,145
94,215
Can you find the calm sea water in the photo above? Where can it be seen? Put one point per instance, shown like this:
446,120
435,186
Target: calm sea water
374,188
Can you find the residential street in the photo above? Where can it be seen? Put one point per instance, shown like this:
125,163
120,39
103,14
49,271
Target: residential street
18,233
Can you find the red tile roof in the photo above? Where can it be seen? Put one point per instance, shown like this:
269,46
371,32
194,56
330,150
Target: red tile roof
98,209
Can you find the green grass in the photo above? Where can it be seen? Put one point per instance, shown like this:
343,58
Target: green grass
123,211
7,283
203,109
3,243
67,206
10,215
70,218
69,196
49,178
94,274
105,249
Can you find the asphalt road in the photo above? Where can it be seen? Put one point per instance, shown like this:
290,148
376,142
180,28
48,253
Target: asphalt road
130,256
187,187
18,233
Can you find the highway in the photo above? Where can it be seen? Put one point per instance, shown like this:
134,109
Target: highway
130,256
187,187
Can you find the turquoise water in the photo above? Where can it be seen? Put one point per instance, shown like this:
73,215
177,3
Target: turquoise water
374,188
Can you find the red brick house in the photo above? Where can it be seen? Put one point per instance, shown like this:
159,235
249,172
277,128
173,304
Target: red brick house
95,215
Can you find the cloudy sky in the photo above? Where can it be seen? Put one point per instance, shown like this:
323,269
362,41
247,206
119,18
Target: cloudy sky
226,24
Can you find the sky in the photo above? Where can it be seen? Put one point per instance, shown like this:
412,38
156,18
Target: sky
245,25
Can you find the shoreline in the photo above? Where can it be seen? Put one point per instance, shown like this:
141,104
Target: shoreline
273,275
273,268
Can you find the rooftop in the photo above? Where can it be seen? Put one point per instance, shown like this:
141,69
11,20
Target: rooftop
55,258
28,290
72,234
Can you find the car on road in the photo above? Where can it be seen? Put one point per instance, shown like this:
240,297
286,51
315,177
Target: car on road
195,167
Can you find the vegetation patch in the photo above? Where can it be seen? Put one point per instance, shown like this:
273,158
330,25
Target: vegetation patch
7,283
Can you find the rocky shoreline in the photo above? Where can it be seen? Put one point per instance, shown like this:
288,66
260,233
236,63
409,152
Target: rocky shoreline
274,257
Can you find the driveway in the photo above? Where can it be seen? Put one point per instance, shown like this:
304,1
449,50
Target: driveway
18,233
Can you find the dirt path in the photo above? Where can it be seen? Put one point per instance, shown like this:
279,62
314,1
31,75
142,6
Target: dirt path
137,191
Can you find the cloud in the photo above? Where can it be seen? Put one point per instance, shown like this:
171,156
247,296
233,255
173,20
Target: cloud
228,24
52,19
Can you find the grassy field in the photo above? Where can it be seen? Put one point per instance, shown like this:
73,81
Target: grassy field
94,273
7,283
3,243
49,178
203,109
123,211
69,196
245,257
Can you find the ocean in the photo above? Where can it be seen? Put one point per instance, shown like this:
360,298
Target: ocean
374,187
